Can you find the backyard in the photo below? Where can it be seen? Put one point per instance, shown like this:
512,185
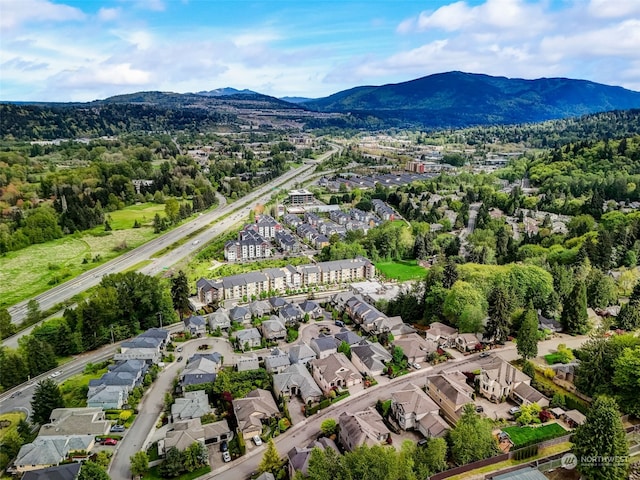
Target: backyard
402,270
523,436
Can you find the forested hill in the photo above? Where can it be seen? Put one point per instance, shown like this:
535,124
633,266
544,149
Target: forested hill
457,99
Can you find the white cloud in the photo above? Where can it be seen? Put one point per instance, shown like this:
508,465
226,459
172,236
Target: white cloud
109,14
121,74
614,8
19,12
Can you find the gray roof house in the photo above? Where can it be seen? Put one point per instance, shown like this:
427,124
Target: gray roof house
76,421
256,406
46,451
312,309
299,457
194,404
219,319
416,348
107,397
335,371
276,361
346,335
259,308
196,325
248,338
441,333
295,380
273,329
301,353
291,314
201,368
412,408
247,362
68,471
324,345
370,357
240,314
362,428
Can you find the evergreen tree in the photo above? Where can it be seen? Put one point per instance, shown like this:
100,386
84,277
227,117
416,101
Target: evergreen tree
629,316
527,344
271,461
6,327
180,293
626,380
574,314
450,274
499,323
46,398
602,436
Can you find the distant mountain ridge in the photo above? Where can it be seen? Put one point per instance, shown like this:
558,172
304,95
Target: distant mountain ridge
458,99
222,92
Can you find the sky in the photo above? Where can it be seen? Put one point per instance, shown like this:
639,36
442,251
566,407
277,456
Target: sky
83,50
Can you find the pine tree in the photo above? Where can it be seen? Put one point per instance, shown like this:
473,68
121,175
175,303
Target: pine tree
180,293
574,314
527,344
271,461
46,398
602,436
499,322
450,274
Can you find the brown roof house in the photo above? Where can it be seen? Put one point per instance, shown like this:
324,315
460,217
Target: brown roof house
451,393
273,329
76,421
299,457
443,334
413,409
250,411
416,348
335,371
370,358
362,428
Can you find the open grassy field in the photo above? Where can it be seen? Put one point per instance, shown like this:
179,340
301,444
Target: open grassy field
402,270
142,212
14,418
198,268
529,435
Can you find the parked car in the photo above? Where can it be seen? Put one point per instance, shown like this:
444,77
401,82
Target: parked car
484,354
226,457
117,428
179,349
479,409
224,446
514,410
339,323
111,441
416,366
180,358
257,440
423,442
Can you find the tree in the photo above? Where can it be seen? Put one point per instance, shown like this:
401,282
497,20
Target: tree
172,209
92,471
574,314
33,312
629,316
139,463
6,327
527,344
46,398
397,355
500,308
180,293
271,461
471,438
328,427
345,348
626,379
601,289
173,464
450,274
324,464
602,436
430,459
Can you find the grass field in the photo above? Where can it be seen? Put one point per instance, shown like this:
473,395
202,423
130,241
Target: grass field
402,270
14,418
198,268
143,213
529,435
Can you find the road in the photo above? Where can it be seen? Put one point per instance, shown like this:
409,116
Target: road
235,212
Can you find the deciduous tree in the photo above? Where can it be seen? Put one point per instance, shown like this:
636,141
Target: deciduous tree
471,439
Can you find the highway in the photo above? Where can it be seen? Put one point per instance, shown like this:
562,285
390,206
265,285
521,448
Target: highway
235,210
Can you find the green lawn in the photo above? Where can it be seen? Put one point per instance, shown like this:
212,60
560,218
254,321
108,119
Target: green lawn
14,418
143,213
522,436
402,270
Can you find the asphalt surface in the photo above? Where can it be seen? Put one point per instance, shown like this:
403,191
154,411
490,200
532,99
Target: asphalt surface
236,211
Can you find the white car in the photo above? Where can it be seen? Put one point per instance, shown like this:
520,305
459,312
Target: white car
416,366
257,440
226,457
56,374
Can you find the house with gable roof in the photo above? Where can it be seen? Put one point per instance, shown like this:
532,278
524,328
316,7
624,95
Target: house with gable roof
276,361
370,358
273,329
248,338
194,404
362,428
257,406
416,348
296,381
219,319
335,371
299,457
451,393
413,409
324,345
301,353
195,325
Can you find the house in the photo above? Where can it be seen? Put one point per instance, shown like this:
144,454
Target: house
183,434
293,277
291,314
194,404
292,220
362,428
524,473
249,246
267,226
141,348
258,405
498,378
276,361
107,397
525,394
334,371
273,329
240,314
384,211
259,308
324,345
201,368
451,393
277,279
159,334
68,471
370,358
466,342
548,324
248,339
413,409
312,309
216,432
346,335
219,319
277,303
299,457
295,380
247,362
124,381
416,348
287,242
76,421
301,353
443,334
195,325
50,450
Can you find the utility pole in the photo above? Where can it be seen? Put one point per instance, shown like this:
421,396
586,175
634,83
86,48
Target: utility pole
112,339
160,317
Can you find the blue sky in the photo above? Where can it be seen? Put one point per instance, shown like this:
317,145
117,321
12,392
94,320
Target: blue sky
81,50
